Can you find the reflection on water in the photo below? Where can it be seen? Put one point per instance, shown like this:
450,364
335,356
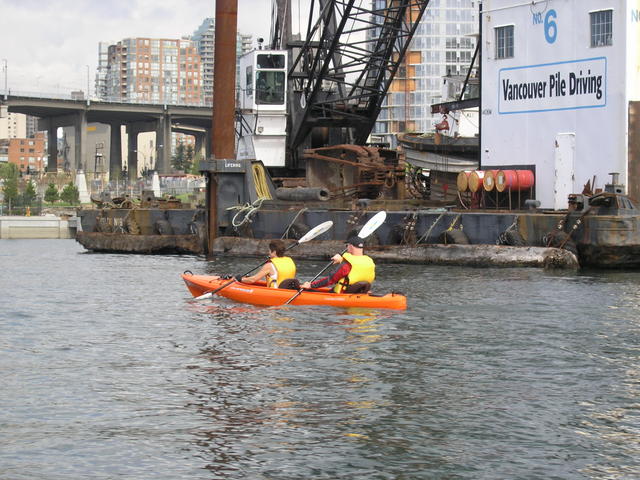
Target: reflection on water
116,372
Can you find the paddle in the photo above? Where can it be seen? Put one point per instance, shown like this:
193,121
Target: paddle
371,226
310,235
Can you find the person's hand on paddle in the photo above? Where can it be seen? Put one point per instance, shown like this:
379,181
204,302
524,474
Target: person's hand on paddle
337,258
306,285
237,278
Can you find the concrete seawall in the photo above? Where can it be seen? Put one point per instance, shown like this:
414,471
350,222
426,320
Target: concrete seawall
47,226
463,255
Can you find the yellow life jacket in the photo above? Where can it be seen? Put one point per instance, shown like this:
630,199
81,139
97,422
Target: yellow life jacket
362,270
285,269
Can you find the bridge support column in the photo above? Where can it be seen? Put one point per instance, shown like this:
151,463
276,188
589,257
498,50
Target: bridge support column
132,151
52,143
115,151
80,132
163,144
203,140
52,149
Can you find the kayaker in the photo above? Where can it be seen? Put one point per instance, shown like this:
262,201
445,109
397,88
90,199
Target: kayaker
355,274
278,272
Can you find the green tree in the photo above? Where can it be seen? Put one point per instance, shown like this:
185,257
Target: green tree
51,195
180,161
189,154
70,194
8,170
195,167
29,194
9,174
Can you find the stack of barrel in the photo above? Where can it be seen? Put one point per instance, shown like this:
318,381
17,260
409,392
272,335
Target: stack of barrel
477,181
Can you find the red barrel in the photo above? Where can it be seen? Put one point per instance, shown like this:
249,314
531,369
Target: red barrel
475,180
463,180
489,181
514,180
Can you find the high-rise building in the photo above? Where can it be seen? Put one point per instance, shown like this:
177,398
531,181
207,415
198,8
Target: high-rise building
204,39
152,70
102,70
443,44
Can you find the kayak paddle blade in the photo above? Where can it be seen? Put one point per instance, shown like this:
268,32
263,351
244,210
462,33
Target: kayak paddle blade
372,224
315,231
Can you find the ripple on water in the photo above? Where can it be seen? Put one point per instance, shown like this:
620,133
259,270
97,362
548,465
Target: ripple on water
110,370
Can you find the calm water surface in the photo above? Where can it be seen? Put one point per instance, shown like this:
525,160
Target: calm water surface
109,369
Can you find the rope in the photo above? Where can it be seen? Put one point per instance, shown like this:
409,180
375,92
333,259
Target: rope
502,238
260,180
454,222
247,210
428,232
286,232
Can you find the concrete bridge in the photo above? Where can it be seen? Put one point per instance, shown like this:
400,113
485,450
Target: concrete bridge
137,117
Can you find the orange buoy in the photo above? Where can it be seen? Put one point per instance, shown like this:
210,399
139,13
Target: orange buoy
475,180
463,180
489,181
514,180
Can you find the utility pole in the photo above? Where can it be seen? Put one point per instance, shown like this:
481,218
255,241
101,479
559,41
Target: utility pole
6,85
87,84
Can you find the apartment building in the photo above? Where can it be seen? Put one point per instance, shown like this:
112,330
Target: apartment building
443,45
13,125
27,153
153,70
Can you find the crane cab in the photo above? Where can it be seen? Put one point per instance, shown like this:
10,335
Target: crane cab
263,107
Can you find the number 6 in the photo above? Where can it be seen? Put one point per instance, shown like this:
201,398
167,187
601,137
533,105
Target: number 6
550,26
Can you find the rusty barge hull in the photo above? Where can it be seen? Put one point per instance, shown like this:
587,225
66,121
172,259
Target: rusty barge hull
141,244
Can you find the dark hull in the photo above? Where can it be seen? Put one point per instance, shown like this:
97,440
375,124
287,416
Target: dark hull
601,241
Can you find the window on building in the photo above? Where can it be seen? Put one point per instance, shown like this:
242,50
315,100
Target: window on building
601,28
504,41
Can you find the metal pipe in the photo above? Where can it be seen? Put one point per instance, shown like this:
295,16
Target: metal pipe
224,96
6,88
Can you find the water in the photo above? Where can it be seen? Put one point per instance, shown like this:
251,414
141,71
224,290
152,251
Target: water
109,370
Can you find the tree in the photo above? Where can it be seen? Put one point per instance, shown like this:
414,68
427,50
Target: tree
70,194
189,155
51,195
8,170
195,167
9,173
180,161
29,194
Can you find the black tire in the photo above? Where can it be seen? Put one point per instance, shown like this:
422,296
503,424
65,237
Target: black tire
297,231
163,227
454,237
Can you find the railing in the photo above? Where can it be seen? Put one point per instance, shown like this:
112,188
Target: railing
70,96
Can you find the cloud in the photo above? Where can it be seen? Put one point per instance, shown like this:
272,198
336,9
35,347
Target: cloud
48,45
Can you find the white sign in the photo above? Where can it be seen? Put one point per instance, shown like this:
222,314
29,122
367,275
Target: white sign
567,85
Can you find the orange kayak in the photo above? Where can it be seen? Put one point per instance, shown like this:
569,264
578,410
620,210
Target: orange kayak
260,294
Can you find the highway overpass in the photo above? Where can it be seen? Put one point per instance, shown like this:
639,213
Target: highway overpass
137,117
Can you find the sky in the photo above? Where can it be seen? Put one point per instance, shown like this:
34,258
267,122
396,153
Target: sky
48,44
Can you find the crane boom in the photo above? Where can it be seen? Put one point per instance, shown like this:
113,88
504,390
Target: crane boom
341,72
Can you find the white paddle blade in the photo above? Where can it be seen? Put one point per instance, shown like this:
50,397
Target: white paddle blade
315,231
373,224
204,296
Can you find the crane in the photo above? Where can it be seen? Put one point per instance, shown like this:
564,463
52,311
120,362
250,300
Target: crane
327,88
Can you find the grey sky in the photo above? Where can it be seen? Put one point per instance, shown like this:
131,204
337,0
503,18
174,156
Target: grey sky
49,43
